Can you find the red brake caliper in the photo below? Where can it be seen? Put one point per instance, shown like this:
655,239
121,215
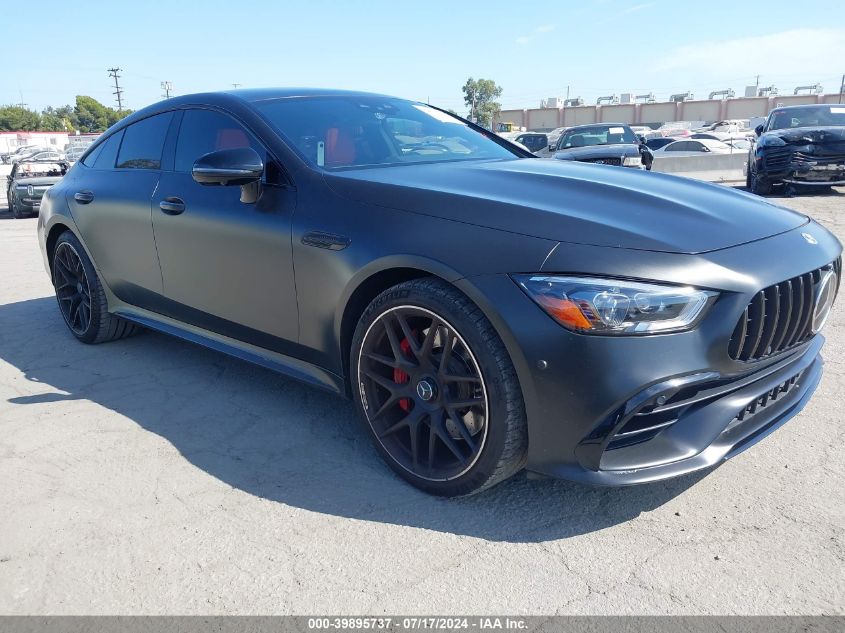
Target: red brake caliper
400,377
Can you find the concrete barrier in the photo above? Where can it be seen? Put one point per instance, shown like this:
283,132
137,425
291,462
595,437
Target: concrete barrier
710,167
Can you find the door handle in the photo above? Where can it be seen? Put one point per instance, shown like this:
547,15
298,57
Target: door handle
172,206
84,197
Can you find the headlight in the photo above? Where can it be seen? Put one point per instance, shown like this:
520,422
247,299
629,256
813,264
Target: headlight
608,306
633,161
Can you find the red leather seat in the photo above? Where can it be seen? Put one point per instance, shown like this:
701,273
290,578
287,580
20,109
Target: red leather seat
340,148
231,138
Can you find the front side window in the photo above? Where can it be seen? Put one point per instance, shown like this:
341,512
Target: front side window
143,143
205,131
359,131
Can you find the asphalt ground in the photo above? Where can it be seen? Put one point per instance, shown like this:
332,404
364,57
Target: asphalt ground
151,476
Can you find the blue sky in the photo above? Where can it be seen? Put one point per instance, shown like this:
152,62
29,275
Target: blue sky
419,50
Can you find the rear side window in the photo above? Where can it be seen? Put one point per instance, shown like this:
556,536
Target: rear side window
143,143
104,155
204,131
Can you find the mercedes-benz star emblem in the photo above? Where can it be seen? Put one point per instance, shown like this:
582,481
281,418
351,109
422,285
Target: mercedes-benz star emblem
825,294
424,390
810,239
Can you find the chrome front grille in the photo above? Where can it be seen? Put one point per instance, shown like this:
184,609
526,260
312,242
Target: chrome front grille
778,317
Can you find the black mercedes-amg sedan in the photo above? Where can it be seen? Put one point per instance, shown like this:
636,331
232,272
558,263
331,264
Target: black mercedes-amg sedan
486,311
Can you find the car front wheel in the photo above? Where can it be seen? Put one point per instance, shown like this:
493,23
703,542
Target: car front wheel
436,389
80,294
757,184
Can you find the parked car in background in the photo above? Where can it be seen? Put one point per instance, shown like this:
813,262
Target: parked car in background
24,149
742,144
27,182
801,145
26,154
534,142
554,135
73,154
47,154
694,148
604,144
484,309
659,141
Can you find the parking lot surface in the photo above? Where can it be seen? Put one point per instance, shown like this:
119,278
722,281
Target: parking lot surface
151,476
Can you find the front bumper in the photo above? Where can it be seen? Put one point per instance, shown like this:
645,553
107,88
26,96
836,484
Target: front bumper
703,421
617,410
798,168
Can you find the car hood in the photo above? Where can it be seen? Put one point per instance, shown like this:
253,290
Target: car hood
598,151
573,202
806,135
41,180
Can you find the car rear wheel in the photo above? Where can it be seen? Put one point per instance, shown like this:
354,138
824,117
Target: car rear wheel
437,390
80,295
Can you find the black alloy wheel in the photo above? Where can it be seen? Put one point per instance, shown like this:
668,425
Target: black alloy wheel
81,297
72,288
423,393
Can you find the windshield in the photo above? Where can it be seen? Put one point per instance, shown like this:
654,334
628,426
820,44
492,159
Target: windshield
37,170
597,135
812,116
351,131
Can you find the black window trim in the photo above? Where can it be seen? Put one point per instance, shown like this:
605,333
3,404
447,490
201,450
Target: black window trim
283,171
171,111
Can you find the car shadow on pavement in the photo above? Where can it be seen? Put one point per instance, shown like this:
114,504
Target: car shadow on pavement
284,441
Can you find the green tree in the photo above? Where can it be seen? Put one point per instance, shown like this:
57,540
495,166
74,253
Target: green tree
13,118
57,119
89,115
480,96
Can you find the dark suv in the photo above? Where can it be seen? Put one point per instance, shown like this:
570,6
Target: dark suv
486,310
799,145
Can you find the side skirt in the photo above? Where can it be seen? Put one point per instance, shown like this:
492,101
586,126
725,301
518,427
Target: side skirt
286,365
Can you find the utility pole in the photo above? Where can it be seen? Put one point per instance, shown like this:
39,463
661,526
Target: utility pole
117,90
236,86
21,104
841,89
167,86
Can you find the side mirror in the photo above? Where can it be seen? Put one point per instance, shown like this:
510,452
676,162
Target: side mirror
228,167
758,130
705,149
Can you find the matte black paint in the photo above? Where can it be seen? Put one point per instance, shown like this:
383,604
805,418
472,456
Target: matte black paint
259,281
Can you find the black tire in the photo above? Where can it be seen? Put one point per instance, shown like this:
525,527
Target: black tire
92,324
497,454
758,185
16,211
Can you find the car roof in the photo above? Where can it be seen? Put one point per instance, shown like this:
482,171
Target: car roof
235,98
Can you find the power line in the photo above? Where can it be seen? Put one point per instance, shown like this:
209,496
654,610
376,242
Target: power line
117,90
